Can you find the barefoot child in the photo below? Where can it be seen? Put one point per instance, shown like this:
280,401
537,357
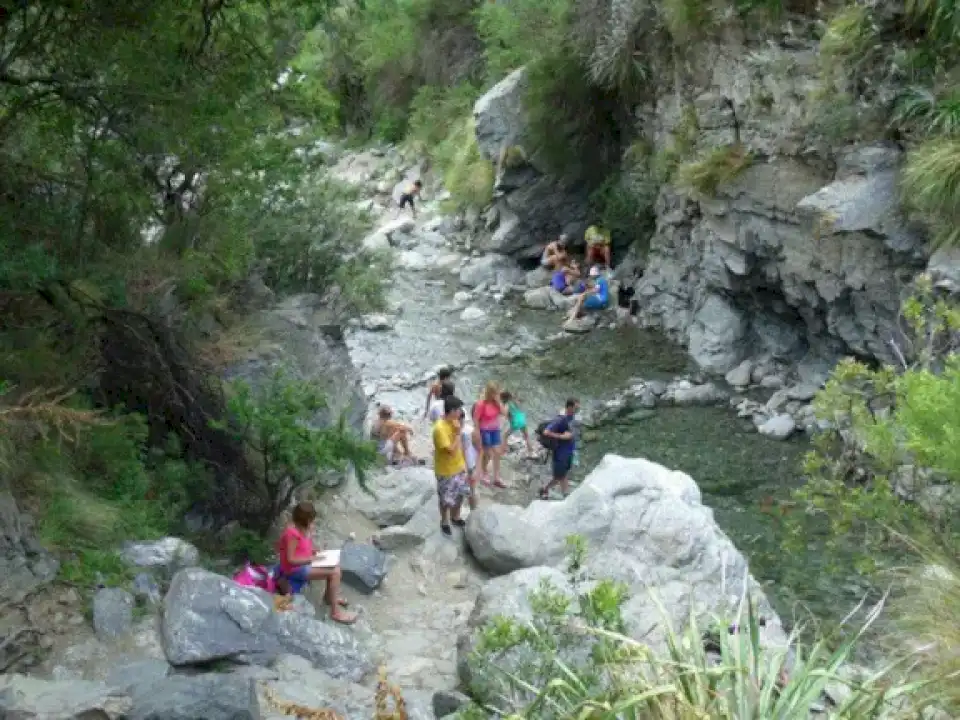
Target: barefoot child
517,420
296,552
393,437
470,439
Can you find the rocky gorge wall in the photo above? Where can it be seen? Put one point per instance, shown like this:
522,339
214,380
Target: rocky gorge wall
801,255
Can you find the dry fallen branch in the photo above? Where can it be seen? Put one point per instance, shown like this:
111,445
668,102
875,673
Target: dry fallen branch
301,712
43,411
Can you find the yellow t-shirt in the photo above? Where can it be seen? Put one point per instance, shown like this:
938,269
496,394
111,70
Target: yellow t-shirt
446,464
596,236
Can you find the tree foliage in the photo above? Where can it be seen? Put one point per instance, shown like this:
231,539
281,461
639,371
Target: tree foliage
276,421
888,467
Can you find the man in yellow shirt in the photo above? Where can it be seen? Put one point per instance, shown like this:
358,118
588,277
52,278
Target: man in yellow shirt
449,464
598,246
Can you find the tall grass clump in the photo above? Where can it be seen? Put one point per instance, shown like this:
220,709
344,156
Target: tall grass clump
719,167
467,174
930,186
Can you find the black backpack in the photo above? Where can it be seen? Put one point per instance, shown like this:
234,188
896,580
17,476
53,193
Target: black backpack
548,442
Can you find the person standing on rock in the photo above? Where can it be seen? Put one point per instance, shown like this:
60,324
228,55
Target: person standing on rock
565,445
470,438
436,410
598,246
449,464
487,414
408,197
444,374
296,554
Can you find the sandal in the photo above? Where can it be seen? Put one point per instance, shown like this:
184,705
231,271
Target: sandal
445,529
344,618
544,494
341,602
459,522
498,483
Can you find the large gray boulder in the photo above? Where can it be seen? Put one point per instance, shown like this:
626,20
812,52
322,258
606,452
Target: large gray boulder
532,206
209,617
27,697
491,269
644,525
397,494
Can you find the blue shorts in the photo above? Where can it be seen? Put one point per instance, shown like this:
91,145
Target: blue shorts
594,303
298,578
490,438
561,466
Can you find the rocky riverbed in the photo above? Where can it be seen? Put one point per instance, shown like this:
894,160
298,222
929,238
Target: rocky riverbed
220,651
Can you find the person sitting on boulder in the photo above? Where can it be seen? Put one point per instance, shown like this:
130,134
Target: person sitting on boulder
296,554
566,279
392,435
555,254
598,246
409,196
595,297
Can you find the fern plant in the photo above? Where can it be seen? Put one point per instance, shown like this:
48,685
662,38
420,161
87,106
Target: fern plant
930,185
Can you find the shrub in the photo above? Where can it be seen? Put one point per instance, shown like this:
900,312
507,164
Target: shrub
721,166
437,112
891,439
276,421
518,33
930,186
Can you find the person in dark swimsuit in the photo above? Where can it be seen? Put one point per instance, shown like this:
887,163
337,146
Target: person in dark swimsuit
409,196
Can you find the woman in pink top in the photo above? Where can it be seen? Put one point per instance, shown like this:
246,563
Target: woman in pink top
487,414
296,553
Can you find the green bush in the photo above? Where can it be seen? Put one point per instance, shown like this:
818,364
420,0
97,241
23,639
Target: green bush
276,420
466,173
892,437
930,186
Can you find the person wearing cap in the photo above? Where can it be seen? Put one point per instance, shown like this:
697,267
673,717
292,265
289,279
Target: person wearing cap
598,245
555,254
595,297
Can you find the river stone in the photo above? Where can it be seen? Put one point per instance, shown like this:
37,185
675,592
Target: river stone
740,375
491,269
397,537
24,563
376,322
213,696
112,613
208,617
644,525
472,313
145,589
170,552
779,427
546,298
397,494
364,566
447,702
138,673
538,277
296,682
376,242
685,394
581,325
26,697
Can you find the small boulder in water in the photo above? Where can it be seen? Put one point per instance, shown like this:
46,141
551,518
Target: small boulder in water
472,313
779,427
376,322
580,325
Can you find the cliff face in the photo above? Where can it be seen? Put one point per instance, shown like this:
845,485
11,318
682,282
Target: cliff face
799,254
804,253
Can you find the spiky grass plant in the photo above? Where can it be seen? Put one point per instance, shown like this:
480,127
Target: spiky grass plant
926,616
926,113
930,185
940,19
738,679
719,167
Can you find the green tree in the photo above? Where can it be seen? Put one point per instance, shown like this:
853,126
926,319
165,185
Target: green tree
276,420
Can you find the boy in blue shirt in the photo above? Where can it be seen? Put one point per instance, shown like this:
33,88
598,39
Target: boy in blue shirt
595,297
561,432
